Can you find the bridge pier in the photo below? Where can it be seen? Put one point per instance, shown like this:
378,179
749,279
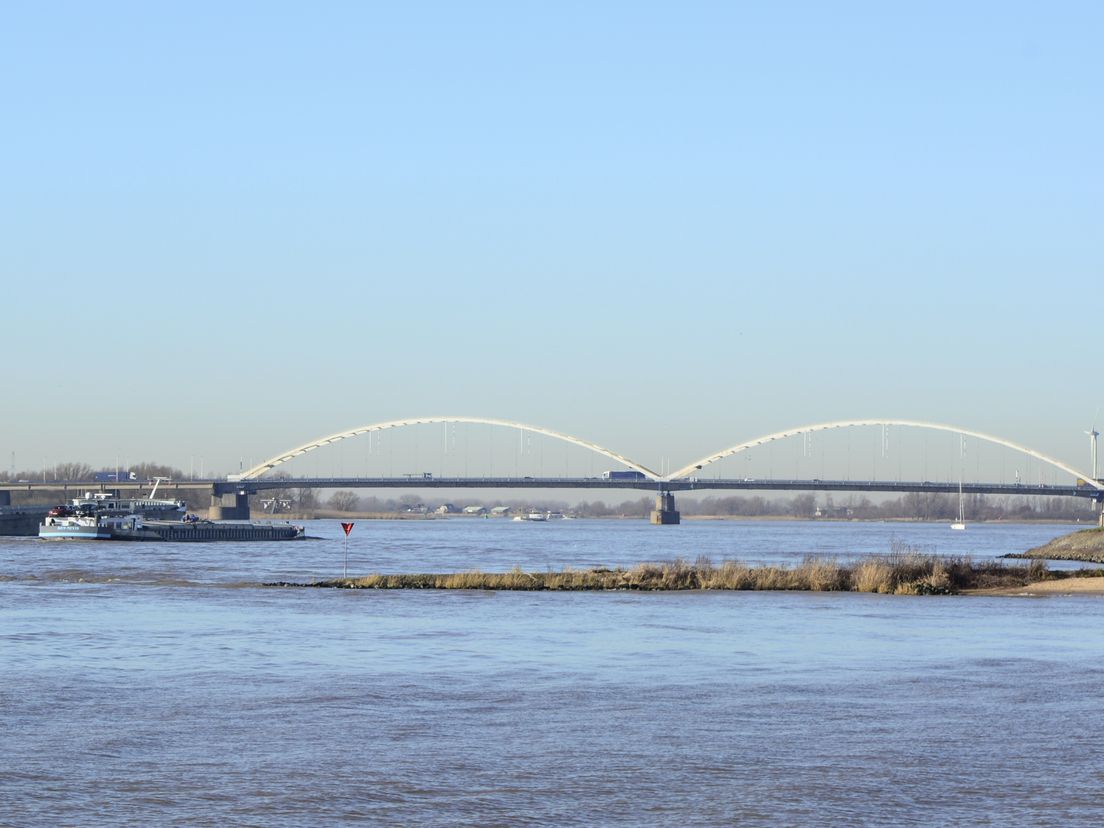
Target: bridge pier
665,513
5,498
231,506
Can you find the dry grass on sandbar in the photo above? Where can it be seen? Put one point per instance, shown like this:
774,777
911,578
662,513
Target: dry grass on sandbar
905,573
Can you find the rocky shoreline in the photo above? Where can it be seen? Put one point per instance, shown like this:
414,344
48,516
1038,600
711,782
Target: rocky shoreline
1086,545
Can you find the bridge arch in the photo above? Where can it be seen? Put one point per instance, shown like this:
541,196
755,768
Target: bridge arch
809,429
298,451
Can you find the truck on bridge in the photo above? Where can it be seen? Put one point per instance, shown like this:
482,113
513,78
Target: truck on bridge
623,475
114,476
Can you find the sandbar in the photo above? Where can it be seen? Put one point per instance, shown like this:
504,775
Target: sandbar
1063,586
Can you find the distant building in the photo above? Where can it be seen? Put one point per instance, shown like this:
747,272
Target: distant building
474,510
834,512
446,509
500,511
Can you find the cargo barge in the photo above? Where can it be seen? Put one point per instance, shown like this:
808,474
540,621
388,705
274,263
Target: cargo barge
201,531
136,528
28,519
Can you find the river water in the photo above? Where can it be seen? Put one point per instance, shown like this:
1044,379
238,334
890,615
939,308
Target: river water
161,684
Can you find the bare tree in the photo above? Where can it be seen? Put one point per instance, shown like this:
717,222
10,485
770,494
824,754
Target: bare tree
343,501
803,505
72,471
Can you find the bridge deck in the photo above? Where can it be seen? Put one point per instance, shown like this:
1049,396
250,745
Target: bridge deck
222,486
684,485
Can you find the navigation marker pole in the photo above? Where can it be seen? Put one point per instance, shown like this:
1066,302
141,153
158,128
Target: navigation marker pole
348,527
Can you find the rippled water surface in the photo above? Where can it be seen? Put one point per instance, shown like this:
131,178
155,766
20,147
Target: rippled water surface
160,684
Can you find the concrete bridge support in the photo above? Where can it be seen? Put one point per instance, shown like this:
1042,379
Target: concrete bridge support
5,498
665,513
232,506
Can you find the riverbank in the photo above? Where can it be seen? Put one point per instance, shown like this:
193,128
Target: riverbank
896,575
1078,584
1086,545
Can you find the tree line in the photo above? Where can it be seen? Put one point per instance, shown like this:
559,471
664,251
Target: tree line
911,506
67,472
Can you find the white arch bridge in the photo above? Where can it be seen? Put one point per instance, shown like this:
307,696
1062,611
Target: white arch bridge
230,498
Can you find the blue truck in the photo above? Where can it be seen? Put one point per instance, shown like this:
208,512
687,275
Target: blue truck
114,476
623,475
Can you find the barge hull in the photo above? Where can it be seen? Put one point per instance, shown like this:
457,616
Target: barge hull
207,531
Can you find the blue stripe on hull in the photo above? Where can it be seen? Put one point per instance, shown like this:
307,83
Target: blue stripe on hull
59,534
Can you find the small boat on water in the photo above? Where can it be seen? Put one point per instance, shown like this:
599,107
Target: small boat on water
541,517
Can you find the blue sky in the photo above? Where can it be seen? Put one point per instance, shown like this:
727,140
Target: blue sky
229,228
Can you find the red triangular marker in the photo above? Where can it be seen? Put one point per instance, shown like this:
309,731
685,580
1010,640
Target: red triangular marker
348,527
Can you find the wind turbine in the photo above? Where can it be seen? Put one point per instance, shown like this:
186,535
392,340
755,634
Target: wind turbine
1093,434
